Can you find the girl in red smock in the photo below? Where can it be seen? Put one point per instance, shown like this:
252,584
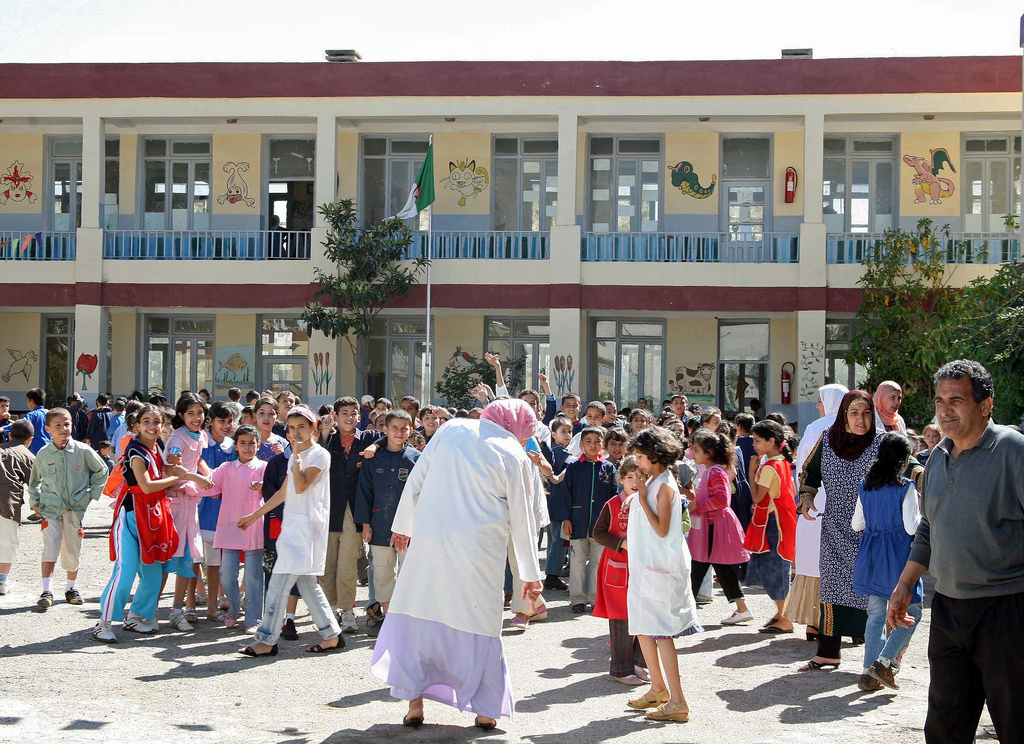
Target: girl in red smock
627,664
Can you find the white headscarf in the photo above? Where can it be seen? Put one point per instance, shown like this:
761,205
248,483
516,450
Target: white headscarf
831,396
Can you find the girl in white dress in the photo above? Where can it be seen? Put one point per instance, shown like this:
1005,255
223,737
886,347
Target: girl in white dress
659,599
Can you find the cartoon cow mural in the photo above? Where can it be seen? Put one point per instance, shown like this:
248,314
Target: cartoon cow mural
691,381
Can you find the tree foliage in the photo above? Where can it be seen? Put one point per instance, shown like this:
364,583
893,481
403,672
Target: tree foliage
460,377
368,274
913,319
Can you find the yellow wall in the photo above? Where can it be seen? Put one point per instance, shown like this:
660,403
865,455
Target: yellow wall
920,144
789,151
782,348
26,149
691,341
124,356
236,331
348,165
20,332
452,331
700,149
462,148
237,149
127,172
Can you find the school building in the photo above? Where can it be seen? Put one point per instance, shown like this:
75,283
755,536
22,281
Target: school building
633,229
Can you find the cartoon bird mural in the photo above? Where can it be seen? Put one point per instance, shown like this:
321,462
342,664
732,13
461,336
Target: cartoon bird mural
684,179
461,358
22,364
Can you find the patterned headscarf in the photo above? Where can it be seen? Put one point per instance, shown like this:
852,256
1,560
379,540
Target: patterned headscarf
513,415
846,445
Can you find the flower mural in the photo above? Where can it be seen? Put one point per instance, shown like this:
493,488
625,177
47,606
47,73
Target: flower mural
85,366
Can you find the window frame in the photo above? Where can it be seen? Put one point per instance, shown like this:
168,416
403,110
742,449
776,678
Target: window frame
168,158
766,393
834,349
849,157
619,339
392,336
727,182
419,223
69,336
142,371
513,339
615,157
1012,157
546,160
262,359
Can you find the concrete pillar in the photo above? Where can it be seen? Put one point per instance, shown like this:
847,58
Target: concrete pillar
93,145
567,340
814,163
89,356
568,138
325,184
810,373
324,367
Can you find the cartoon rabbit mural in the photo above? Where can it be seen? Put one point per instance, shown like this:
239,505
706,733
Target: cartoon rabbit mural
237,189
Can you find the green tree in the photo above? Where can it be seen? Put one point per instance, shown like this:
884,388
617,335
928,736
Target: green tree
458,380
368,274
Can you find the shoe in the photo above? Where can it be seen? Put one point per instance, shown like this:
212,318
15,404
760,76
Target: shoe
288,631
508,601
251,629
670,712
191,615
247,651
554,584
704,599
319,648
484,725
136,624
104,633
812,633
867,683
33,518
230,621
415,722
374,630
738,618
73,597
630,679
540,614
817,666
4,589
883,675
178,622
218,616
347,621
374,612
770,628
520,623
857,641
45,599
649,700
579,609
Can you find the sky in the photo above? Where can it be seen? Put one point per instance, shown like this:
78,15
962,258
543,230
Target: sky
403,30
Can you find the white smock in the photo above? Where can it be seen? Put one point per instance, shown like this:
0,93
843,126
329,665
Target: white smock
302,545
659,599
471,489
808,533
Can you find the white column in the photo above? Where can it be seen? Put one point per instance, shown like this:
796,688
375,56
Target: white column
93,144
90,341
568,137
564,267
810,372
814,155
325,184
567,341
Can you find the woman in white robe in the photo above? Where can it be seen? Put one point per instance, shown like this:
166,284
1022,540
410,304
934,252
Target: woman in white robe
470,491
802,602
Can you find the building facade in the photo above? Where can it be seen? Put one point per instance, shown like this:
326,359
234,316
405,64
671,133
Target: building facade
633,229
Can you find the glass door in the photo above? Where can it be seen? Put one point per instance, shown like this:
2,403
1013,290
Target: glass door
193,365
742,387
745,211
637,202
179,356
281,375
67,195
989,193
872,197
408,359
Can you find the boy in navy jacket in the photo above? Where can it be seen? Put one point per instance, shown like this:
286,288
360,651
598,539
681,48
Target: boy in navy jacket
381,483
561,433
587,484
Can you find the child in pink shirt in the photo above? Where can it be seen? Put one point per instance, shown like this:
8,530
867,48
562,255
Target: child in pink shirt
240,486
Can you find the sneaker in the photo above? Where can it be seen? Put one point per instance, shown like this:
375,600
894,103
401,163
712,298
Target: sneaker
73,597
45,599
704,599
883,674
104,633
579,609
288,631
4,589
737,618
374,612
348,622
135,624
867,683
554,584
374,630
178,622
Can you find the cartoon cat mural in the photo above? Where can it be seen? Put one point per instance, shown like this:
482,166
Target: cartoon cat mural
467,178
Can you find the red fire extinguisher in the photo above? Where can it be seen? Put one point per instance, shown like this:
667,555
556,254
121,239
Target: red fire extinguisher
790,184
787,378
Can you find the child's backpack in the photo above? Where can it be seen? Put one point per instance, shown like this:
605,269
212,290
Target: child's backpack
115,485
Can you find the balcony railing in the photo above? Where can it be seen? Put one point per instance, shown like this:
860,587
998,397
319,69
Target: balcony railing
38,246
961,248
690,247
206,245
481,244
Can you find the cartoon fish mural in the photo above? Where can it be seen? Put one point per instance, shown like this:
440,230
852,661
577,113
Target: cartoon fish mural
233,364
684,179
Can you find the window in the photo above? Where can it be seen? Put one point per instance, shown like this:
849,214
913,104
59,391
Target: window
396,358
525,183
111,182
743,366
512,338
838,337
629,360
58,341
858,192
66,177
284,354
179,355
290,183
625,184
390,166
991,181
746,188
177,184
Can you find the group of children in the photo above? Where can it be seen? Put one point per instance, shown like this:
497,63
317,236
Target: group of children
647,507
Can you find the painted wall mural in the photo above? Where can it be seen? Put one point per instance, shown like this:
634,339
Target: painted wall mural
22,364
928,185
237,189
684,179
812,356
85,366
234,365
321,372
564,375
467,178
693,381
16,185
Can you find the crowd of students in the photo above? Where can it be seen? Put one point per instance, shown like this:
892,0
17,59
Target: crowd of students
293,497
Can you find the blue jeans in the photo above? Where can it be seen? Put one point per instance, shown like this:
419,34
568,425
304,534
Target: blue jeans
277,597
253,583
127,566
876,647
556,550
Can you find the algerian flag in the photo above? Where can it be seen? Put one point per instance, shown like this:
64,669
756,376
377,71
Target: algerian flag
421,195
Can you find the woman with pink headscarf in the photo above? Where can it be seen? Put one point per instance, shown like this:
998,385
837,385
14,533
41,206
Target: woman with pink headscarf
887,398
470,491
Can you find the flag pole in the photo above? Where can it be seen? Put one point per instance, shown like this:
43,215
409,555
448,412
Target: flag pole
427,367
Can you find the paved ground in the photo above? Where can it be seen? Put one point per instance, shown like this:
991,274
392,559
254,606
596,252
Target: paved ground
56,684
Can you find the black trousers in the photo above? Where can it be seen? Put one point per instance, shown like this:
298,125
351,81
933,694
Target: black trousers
626,652
976,654
728,575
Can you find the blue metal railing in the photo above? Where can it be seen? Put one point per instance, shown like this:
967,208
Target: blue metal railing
37,246
208,245
690,247
961,248
481,244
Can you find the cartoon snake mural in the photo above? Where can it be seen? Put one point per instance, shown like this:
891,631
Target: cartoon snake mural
684,179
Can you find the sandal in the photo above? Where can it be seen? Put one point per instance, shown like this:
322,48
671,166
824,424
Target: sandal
645,701
812,633
670,712
191,615
770,628
248,651
218,616
814,666
415,722
540,614
321,649
484,725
